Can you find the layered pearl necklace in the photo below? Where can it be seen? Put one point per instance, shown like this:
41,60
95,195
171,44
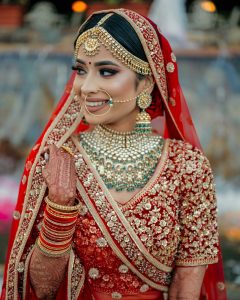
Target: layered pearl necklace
125,161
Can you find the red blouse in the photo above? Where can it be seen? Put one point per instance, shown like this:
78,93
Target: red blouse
174,217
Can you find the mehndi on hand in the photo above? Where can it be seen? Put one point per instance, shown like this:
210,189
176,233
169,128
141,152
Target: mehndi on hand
60,176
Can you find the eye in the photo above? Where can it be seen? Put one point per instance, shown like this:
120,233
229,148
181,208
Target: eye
107,72
80,71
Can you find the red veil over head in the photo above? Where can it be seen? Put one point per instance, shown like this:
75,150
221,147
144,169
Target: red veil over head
170,117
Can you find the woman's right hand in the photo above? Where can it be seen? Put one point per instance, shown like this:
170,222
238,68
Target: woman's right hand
60,176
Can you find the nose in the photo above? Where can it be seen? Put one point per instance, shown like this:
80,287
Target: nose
88,85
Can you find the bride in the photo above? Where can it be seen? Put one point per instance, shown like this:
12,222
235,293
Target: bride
117,200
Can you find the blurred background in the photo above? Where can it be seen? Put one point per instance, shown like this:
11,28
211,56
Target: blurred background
36,47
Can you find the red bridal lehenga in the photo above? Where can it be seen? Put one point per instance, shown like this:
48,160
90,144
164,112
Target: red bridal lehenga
126,251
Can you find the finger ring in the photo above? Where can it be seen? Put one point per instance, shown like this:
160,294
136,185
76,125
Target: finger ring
67,149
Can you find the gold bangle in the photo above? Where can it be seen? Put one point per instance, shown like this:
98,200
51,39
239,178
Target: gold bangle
58,214
50,248
56,232
56,237
53,249
59,224
50,253
61,244
62,207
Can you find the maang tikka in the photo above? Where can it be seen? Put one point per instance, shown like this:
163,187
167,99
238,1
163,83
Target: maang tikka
96,36
143,120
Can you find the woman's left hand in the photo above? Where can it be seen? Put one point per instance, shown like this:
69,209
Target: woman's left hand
60,176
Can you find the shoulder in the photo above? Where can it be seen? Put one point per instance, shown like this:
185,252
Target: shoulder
184,149
192,159
179,145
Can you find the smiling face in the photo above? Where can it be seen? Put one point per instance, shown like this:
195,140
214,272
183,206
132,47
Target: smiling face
102,76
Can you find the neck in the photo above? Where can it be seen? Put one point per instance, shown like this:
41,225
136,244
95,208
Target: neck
125,124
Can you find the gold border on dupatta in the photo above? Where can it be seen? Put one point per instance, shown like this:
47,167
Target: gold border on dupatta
14,260
26,272
25,237
125,13
118,211
71,286
110,241
70,268
163,90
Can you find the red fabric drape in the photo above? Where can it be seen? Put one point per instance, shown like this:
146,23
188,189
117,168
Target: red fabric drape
170,117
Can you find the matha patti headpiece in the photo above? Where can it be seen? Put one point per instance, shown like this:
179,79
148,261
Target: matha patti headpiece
94,37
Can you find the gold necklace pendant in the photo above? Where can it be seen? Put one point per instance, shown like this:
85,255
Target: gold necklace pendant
125,161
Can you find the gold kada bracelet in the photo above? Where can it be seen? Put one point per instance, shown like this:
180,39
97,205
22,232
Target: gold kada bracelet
63,207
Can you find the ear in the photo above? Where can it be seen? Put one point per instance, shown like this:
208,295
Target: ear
151,83
147,84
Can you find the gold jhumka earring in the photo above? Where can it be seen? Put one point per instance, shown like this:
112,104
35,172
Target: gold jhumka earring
143,120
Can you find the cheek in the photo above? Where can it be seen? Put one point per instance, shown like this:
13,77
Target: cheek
76,86
123,89
122,85
121,109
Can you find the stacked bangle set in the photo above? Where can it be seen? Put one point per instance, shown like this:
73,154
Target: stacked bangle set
55,237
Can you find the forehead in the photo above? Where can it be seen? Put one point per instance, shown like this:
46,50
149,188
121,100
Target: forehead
103,54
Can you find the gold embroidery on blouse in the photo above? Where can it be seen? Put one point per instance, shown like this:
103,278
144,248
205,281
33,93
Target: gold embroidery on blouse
117,210
111,243
189,167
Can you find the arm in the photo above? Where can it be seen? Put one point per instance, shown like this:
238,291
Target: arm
47,274
48,271
198,244
186,283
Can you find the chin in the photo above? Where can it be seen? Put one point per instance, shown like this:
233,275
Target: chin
94,120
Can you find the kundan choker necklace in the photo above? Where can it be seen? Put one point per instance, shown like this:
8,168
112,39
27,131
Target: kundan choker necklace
124,160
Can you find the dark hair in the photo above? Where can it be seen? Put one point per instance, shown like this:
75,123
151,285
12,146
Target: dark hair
120,30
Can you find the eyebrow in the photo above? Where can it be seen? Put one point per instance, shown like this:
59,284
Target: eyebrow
100,63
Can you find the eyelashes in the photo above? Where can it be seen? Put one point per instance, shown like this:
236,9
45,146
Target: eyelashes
104,72
74,68
78,69
107,72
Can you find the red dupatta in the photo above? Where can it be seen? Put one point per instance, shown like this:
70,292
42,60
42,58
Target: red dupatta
170,117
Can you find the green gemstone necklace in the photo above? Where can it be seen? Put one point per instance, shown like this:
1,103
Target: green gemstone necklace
125,161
